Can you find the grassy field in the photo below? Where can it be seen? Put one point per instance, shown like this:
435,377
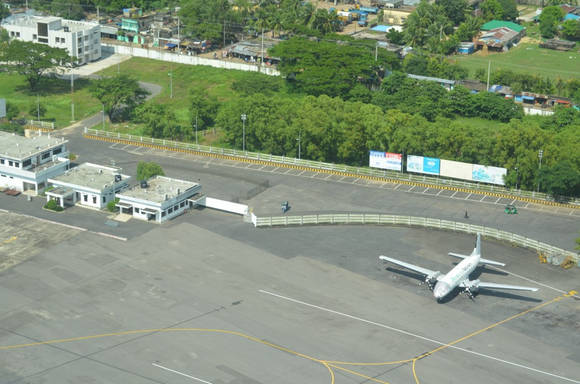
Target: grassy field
527,58
186,78
54,94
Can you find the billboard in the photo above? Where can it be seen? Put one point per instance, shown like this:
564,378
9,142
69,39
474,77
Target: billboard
386,160
420,164
492,175
456,169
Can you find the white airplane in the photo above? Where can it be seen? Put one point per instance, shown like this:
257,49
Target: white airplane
443,284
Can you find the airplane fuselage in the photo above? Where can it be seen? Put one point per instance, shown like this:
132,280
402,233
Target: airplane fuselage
456,276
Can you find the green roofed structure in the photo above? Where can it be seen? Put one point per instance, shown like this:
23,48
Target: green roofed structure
493,24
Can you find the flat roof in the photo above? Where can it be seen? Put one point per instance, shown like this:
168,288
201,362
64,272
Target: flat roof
20,147
159,189
89,175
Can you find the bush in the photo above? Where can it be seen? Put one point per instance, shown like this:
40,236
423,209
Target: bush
147,170
53,206
111,205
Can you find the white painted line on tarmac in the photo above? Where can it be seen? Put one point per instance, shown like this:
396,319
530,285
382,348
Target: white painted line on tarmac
484,196
413,187
300,174
467,197
498,199
439,193
397,187
453,194
417,336
180,373
328,177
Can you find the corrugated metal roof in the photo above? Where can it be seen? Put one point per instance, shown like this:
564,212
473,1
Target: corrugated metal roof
501,24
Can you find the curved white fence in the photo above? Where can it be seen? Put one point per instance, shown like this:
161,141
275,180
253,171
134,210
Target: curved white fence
554,255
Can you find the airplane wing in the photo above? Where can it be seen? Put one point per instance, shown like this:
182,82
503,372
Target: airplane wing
505,286
424,271
481,260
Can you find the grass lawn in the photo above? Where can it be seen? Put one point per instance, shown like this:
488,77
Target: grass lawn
186,78
54,94
527,58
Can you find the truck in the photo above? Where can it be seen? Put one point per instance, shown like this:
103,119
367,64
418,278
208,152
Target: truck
363,21
373,10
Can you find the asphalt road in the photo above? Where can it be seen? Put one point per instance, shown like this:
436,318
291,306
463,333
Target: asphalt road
208,298
264,188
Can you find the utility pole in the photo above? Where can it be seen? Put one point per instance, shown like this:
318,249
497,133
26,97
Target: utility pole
244,117
196,128
103,117
298,139
171,82
517,177
262,61
72,89
488,73
540,155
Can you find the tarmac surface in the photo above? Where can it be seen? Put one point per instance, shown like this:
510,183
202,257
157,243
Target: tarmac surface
208,298
264,188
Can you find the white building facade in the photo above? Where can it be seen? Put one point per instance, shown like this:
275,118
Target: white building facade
158,199
82,40
26,163
89,185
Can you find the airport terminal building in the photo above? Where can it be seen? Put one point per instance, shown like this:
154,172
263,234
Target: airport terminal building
158,199
26,163
88,185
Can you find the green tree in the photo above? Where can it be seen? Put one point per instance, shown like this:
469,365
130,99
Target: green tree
455,10
549,20
159,121
571,29
395,36
562,179
202,109
69,9
117,94
12,111
4,11
206,19
32,60
492,10
469,28
37,110
509,8
147,170
428,22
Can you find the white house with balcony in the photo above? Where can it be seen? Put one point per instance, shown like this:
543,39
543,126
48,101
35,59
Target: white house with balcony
88,185
158,199
26,163
81,39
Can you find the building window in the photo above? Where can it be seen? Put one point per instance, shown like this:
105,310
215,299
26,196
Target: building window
94,199
56,151
10,163
170,210
85,198
17,34
104,199
176,207
17,164
1,161
163,213
87,38
34,37
62,40
80,50
45,155
136,210
43,40
11,33
26,163
57,40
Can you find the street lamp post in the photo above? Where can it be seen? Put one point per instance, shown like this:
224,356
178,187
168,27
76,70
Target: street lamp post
196,128
171,83
244,117
103,117
540,155
517,177
299,142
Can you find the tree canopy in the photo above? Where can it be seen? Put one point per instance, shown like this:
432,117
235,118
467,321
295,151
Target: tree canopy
32,60
118,93
147,170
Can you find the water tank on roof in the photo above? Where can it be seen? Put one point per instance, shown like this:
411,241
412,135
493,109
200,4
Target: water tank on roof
117,178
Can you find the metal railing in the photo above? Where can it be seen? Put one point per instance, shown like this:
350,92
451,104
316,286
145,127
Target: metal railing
363,171
553,254
43,125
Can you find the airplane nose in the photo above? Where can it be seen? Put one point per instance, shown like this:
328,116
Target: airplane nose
441,289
